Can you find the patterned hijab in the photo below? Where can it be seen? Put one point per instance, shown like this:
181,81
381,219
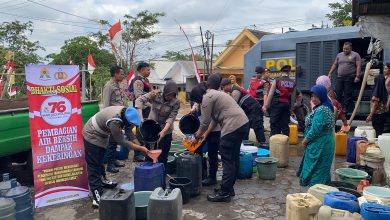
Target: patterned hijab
322,94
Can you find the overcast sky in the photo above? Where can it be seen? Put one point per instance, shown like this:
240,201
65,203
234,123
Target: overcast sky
225,18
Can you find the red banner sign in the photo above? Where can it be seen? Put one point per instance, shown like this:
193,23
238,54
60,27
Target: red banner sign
56,133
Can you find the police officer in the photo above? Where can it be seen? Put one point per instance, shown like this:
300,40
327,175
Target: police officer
113,96
259,85
140,86
219,108
250,106
165,107
280,101
96,132
212,138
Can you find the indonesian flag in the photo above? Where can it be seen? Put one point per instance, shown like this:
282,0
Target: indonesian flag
12,91
91,64
115,34
197,72
130,76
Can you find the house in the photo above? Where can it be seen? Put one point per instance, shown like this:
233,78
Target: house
231,59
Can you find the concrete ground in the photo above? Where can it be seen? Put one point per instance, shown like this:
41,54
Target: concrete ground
255,198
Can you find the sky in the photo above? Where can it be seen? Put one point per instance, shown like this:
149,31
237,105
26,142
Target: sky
225,18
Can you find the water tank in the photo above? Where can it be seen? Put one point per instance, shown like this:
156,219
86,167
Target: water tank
165,205
190,166
22,196
148,176
117,204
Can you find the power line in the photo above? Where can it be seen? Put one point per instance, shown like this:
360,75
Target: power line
63,11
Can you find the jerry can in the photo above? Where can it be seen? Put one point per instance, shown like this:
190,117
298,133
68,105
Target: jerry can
117,204
341,144
319,191
328,213
279,148
302,206
293,134
165,205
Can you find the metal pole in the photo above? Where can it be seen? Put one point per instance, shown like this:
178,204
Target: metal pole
212,48
204,53
83,86
90,87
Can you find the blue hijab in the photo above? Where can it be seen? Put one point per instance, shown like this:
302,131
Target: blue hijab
322,94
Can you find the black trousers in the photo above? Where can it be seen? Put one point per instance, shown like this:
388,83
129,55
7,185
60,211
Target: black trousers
111,151
378,122
165,146
95,169
213,140
279,119
257,124
344,91
230,155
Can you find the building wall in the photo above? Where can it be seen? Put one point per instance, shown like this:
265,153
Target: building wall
236,58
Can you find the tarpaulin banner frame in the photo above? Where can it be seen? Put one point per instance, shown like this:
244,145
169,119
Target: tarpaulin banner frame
56,133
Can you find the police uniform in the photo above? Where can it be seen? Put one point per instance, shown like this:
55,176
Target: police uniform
252,110
112,96
162,112
220,108
96,132
141,86
281,97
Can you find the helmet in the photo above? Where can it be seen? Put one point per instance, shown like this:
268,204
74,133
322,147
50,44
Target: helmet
132,116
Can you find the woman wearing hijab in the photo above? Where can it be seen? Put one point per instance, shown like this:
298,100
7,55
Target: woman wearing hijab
379,99
318,140
165,107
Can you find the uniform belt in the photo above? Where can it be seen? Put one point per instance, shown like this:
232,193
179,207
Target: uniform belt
97,128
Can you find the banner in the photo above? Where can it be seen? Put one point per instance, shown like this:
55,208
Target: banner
56,133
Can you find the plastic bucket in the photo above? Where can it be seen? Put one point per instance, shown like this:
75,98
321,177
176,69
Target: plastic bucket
351,175
189,124
184,184
252,150
366,169
377,193
266,167
141,204
148,131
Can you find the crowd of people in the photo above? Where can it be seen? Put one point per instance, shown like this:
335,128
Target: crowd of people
227,112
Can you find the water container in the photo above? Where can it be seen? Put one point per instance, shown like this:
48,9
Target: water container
148,176
246,165
328,213
367,169
117,204
376,162
372,211
253,151
190,166
340,144
5,185
141,204
293,134
361,147
189,124
267,167
319,191
387,172
384,143
302,206
22,196
351,149
377,193
184,184
171,165
279,148
365,131
148,131
7,209
351,175
164,205
342,200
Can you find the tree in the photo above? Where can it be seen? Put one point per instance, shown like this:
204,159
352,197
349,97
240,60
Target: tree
177,55
77,49
341,14
137,29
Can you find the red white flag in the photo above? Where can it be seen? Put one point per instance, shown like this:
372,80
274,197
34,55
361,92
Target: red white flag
130,76
12,91
115,33
91,64
197,72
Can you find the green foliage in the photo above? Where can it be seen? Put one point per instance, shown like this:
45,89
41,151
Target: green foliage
136,29
77,49
341,14
177,55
